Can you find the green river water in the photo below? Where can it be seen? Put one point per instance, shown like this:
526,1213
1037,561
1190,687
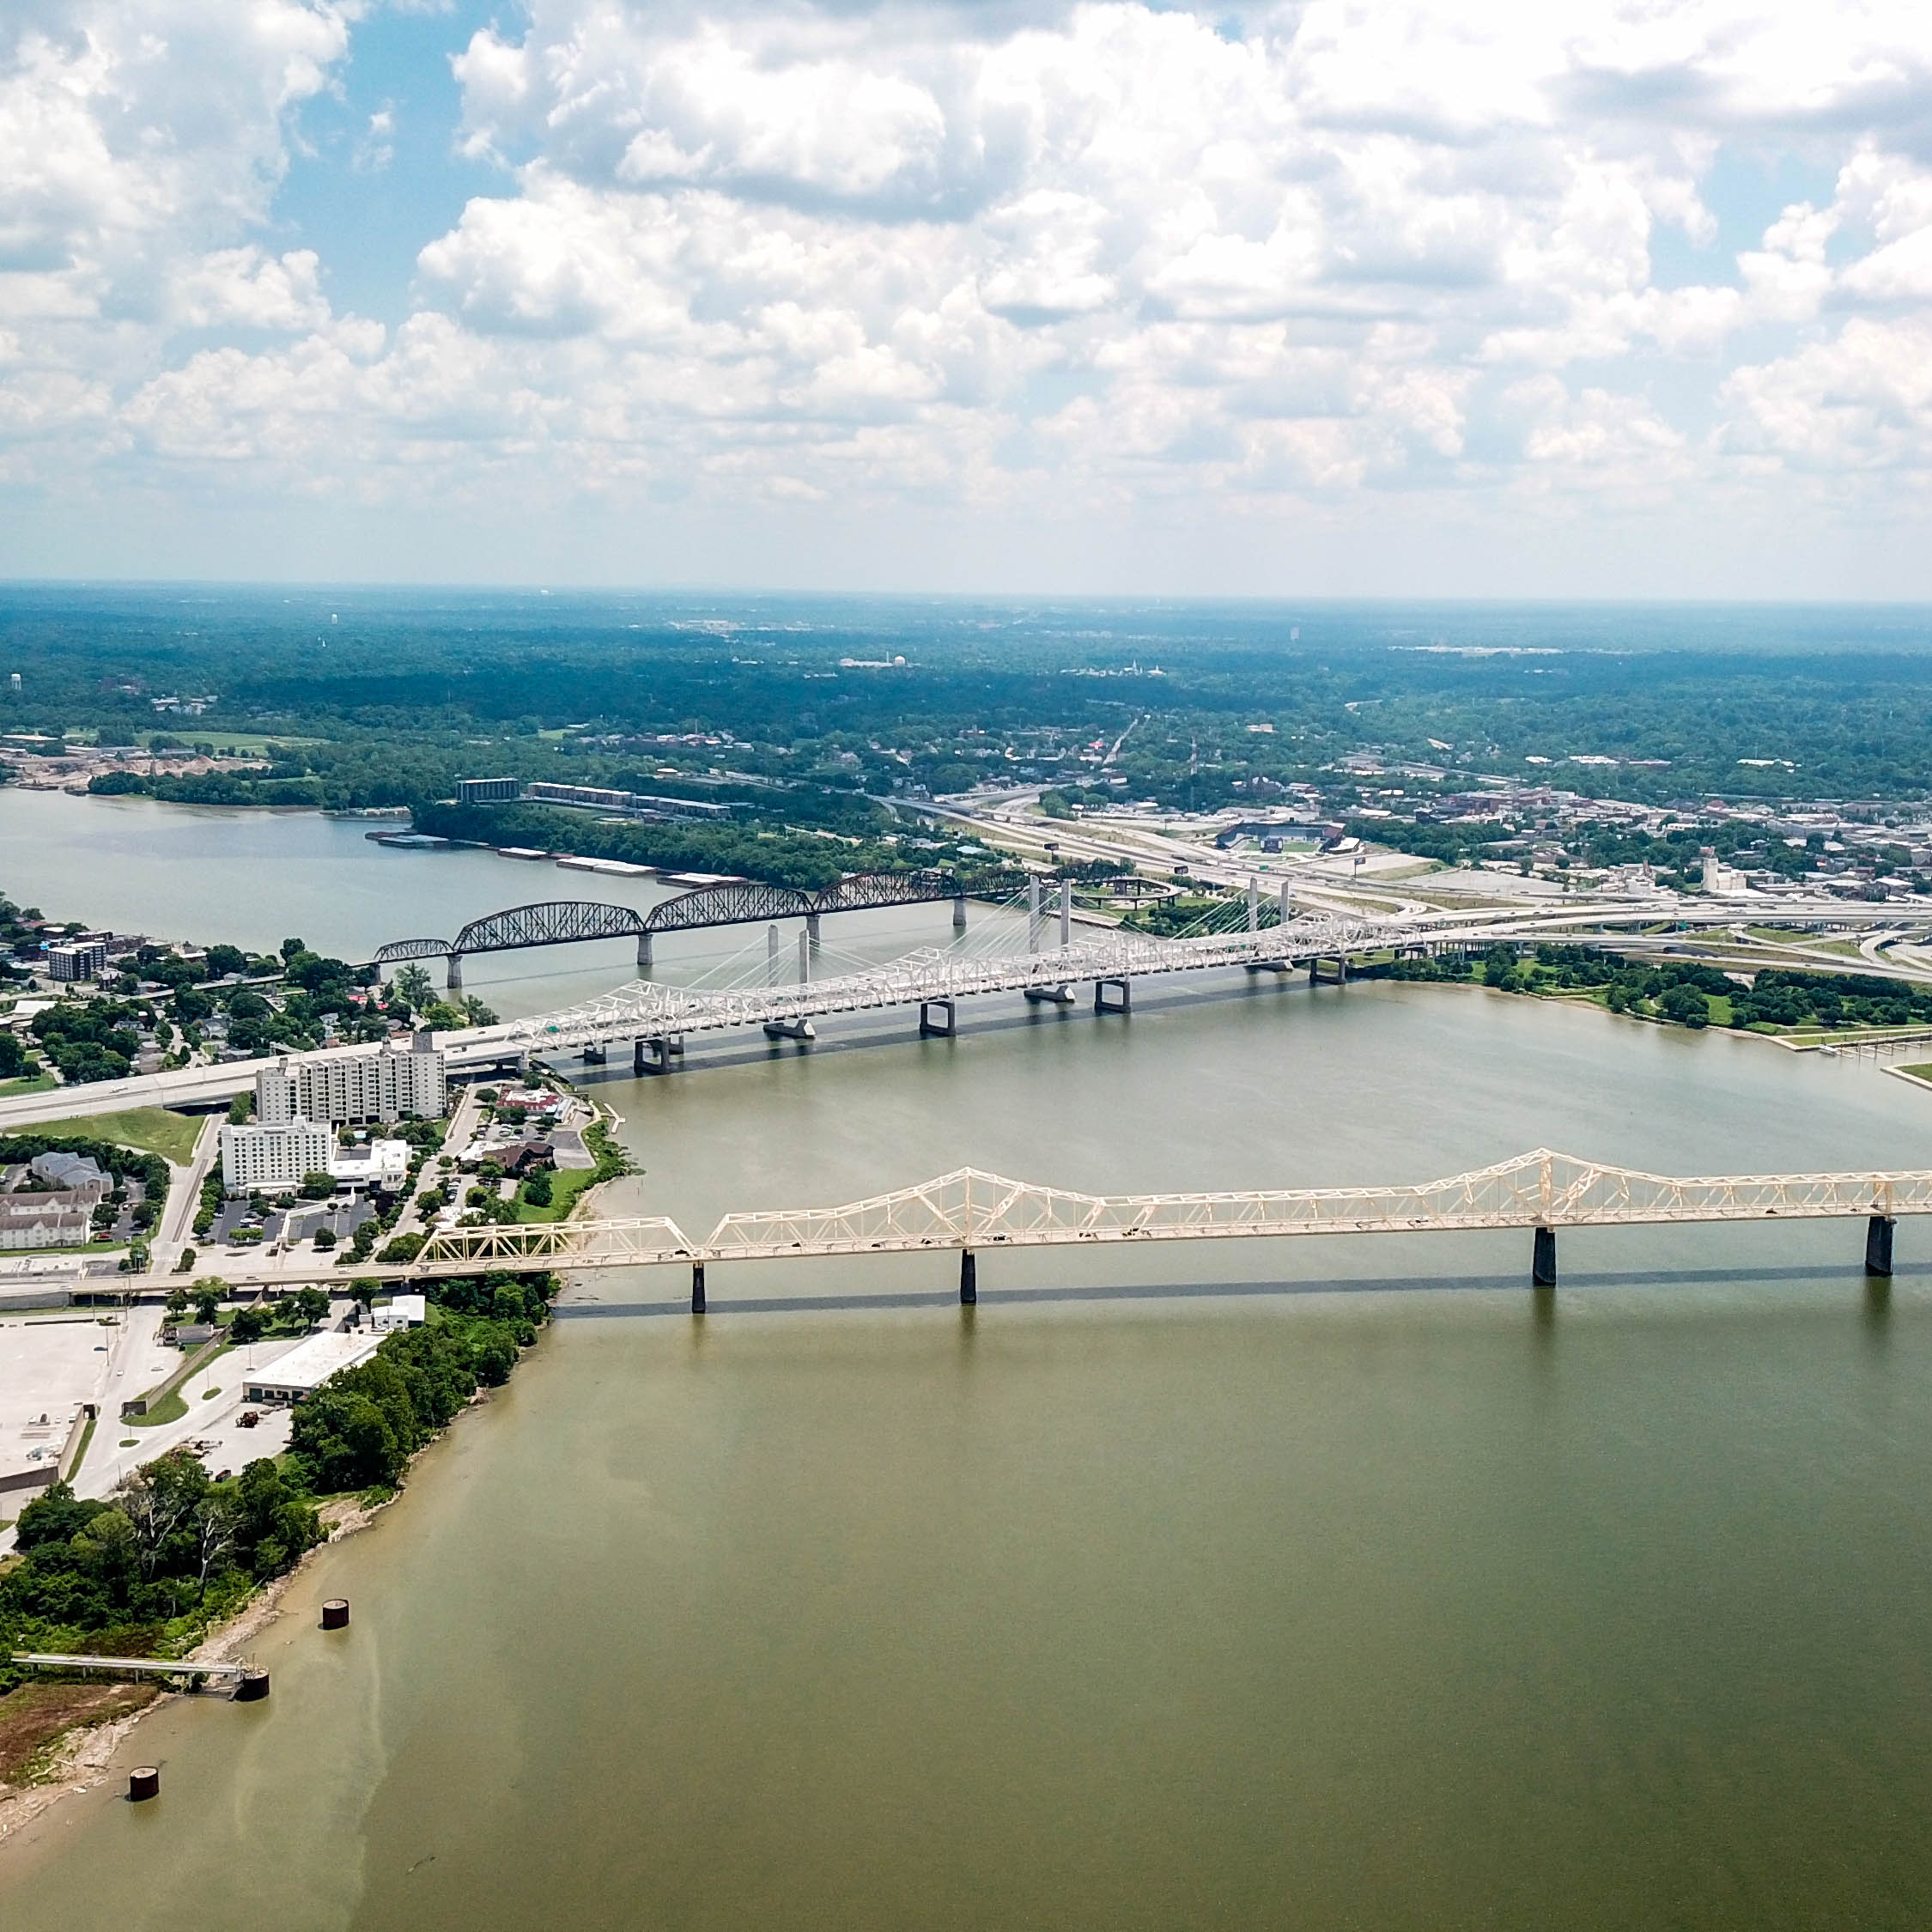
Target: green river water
1317,1584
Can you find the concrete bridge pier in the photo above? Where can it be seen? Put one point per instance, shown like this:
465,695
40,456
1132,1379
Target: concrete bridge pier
1051,995
1033,913
1338,976
643,952
790,1029
596,1054
959,914
947,1028
806,939
969,1278
1542,1263
454,978
697,1287
655,1055
811,927
1878,1244
1102,1004
1254,904
1066,914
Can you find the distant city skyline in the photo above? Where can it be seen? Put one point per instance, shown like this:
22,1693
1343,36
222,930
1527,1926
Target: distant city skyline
1400,299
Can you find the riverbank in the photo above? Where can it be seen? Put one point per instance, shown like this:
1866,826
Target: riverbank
74,1763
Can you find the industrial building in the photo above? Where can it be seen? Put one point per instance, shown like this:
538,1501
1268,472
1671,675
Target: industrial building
307,1365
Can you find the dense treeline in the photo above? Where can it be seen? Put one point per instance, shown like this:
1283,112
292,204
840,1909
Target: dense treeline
362,1425
171,1551
794,858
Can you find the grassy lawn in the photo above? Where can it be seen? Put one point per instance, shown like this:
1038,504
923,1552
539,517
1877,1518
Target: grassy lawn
1921,1071
566,1185
151,1130
29,1083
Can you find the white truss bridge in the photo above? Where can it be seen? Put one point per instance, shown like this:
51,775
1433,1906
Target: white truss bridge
660,1016
970,1211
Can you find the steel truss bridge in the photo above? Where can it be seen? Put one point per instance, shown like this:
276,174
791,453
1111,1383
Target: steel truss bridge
657,1018
559,922
969,1211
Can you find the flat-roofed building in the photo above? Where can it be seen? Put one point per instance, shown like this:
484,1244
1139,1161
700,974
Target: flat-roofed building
296,1375
275,1154
393,1082
76,959
485,791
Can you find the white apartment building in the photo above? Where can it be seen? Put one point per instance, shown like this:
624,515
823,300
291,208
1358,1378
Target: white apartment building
275,1154
346,1089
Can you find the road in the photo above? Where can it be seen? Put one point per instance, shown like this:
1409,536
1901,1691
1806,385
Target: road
183,1194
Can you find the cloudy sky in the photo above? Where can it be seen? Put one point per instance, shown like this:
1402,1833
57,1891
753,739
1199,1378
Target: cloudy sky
1595,297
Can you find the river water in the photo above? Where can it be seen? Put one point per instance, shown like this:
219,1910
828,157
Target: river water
1342,1583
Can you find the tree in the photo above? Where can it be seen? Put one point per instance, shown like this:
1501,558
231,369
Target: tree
324,1237
311,1304
291,947
227,959
239,1108
411,987
248,1325
1686,1005
177,1298
207,1296
159,1499
536,1189
318,1186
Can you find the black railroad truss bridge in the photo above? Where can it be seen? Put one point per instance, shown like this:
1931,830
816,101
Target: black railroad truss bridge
561,922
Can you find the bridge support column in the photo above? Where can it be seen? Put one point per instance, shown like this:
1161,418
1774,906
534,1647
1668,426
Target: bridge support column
959,914
697,1287
969,1278
453,979
771,955
1254,904
1050,995
946,1030
1338,976
653,1055
811,927
1066,914
1033,913
1878,1244
805,958
643,952
789,1030
595,1055
1542,1263
1102,1004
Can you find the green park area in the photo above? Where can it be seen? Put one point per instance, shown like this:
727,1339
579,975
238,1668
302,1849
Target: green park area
147,1130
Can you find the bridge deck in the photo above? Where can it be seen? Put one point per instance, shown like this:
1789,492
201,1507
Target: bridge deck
971,1209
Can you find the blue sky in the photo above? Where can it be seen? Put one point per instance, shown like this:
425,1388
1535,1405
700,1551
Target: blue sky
1340,297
